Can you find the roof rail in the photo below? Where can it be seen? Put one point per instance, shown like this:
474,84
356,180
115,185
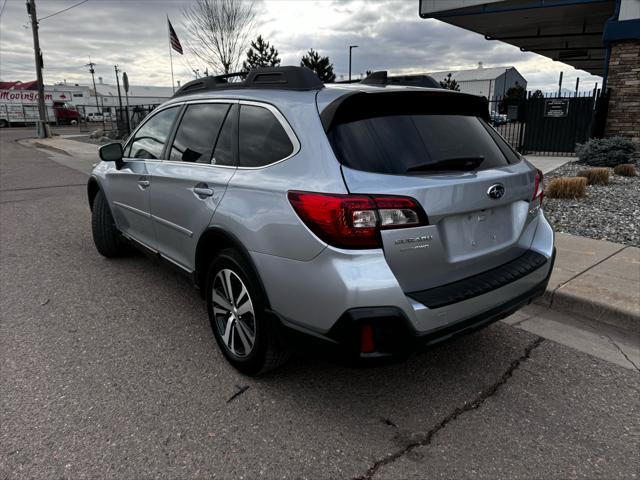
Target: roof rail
381,78
280,78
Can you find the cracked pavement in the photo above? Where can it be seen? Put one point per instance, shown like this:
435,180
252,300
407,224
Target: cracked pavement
109,369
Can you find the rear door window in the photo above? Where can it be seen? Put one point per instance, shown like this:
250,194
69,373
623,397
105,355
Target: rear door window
413,144
262,138
198,132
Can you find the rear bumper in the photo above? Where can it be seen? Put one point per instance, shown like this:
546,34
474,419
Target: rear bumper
311,296
393,333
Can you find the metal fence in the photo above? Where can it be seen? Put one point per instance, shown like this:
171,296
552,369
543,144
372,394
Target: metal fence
115,122
548,124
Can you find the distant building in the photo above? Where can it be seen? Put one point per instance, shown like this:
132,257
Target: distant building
84,95
492,82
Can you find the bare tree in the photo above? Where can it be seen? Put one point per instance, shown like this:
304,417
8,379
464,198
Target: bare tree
218,32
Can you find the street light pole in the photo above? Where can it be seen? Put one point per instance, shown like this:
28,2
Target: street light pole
351,47
42,126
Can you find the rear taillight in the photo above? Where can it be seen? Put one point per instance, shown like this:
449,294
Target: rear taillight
355,221
538,189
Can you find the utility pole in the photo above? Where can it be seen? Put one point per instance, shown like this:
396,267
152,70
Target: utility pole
42,126
119,117
125,84
351,47
95,90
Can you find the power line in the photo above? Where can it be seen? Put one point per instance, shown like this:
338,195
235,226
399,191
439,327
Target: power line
64,10
3,5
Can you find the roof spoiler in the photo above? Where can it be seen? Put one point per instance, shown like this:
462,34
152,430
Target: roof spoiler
361,105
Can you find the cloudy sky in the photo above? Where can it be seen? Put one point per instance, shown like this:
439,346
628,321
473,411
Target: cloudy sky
133,34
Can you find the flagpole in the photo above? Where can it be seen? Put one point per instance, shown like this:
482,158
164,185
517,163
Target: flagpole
173,83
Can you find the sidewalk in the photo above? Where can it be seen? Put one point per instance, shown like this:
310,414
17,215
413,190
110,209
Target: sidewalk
80,156
595,279
546,163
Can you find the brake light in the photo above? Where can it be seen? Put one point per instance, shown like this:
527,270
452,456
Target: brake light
355,221
538,187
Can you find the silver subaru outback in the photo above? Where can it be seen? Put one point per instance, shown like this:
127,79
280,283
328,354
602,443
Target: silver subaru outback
372,218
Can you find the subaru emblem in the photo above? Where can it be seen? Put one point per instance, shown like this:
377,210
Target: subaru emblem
496,191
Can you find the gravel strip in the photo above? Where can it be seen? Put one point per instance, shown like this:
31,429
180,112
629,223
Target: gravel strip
608,212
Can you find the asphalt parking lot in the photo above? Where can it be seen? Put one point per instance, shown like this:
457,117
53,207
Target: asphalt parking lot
108,368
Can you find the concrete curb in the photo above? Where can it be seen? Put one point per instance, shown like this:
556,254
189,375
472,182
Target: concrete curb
597,280
600,312
596,311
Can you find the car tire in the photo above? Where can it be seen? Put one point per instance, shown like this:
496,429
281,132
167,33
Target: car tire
244,331
106,236
4,124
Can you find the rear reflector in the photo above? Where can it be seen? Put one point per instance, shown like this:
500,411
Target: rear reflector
367,344
355,221
538,188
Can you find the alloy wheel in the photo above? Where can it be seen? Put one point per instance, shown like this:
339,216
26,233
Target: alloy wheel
234,313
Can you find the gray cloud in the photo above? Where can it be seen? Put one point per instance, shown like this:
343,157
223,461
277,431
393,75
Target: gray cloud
133,34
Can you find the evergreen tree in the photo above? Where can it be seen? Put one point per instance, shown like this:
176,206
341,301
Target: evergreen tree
320,65
449,83
537,94
261,54
514,95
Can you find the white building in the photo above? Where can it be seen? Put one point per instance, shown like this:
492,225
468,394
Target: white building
492,82
83,96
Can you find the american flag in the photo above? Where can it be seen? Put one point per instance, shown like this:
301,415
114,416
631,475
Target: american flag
173,39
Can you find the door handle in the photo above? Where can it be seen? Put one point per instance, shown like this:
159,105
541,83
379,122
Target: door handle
144,183
203,191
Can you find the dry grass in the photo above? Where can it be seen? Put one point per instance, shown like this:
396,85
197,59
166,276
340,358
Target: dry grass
566,187
626,170
596,176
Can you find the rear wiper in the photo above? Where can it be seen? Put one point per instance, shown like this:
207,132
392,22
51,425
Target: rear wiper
458,163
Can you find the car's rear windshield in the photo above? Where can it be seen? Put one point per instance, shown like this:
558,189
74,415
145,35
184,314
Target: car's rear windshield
418,143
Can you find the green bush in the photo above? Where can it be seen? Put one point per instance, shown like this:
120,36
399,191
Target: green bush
606,152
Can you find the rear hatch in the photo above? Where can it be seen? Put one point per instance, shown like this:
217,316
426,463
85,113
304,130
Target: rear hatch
436,147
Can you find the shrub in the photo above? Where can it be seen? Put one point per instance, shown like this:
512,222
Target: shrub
606,152
566,187
626,170
595,176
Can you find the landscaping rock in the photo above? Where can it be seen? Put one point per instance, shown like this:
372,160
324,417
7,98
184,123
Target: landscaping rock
608,212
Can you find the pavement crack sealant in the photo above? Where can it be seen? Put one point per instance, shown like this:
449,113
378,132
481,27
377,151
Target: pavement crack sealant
468,406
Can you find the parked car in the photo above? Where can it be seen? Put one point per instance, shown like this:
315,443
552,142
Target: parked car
347,215
94,117
498,118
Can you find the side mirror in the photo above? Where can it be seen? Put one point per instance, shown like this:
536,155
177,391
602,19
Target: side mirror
111,152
